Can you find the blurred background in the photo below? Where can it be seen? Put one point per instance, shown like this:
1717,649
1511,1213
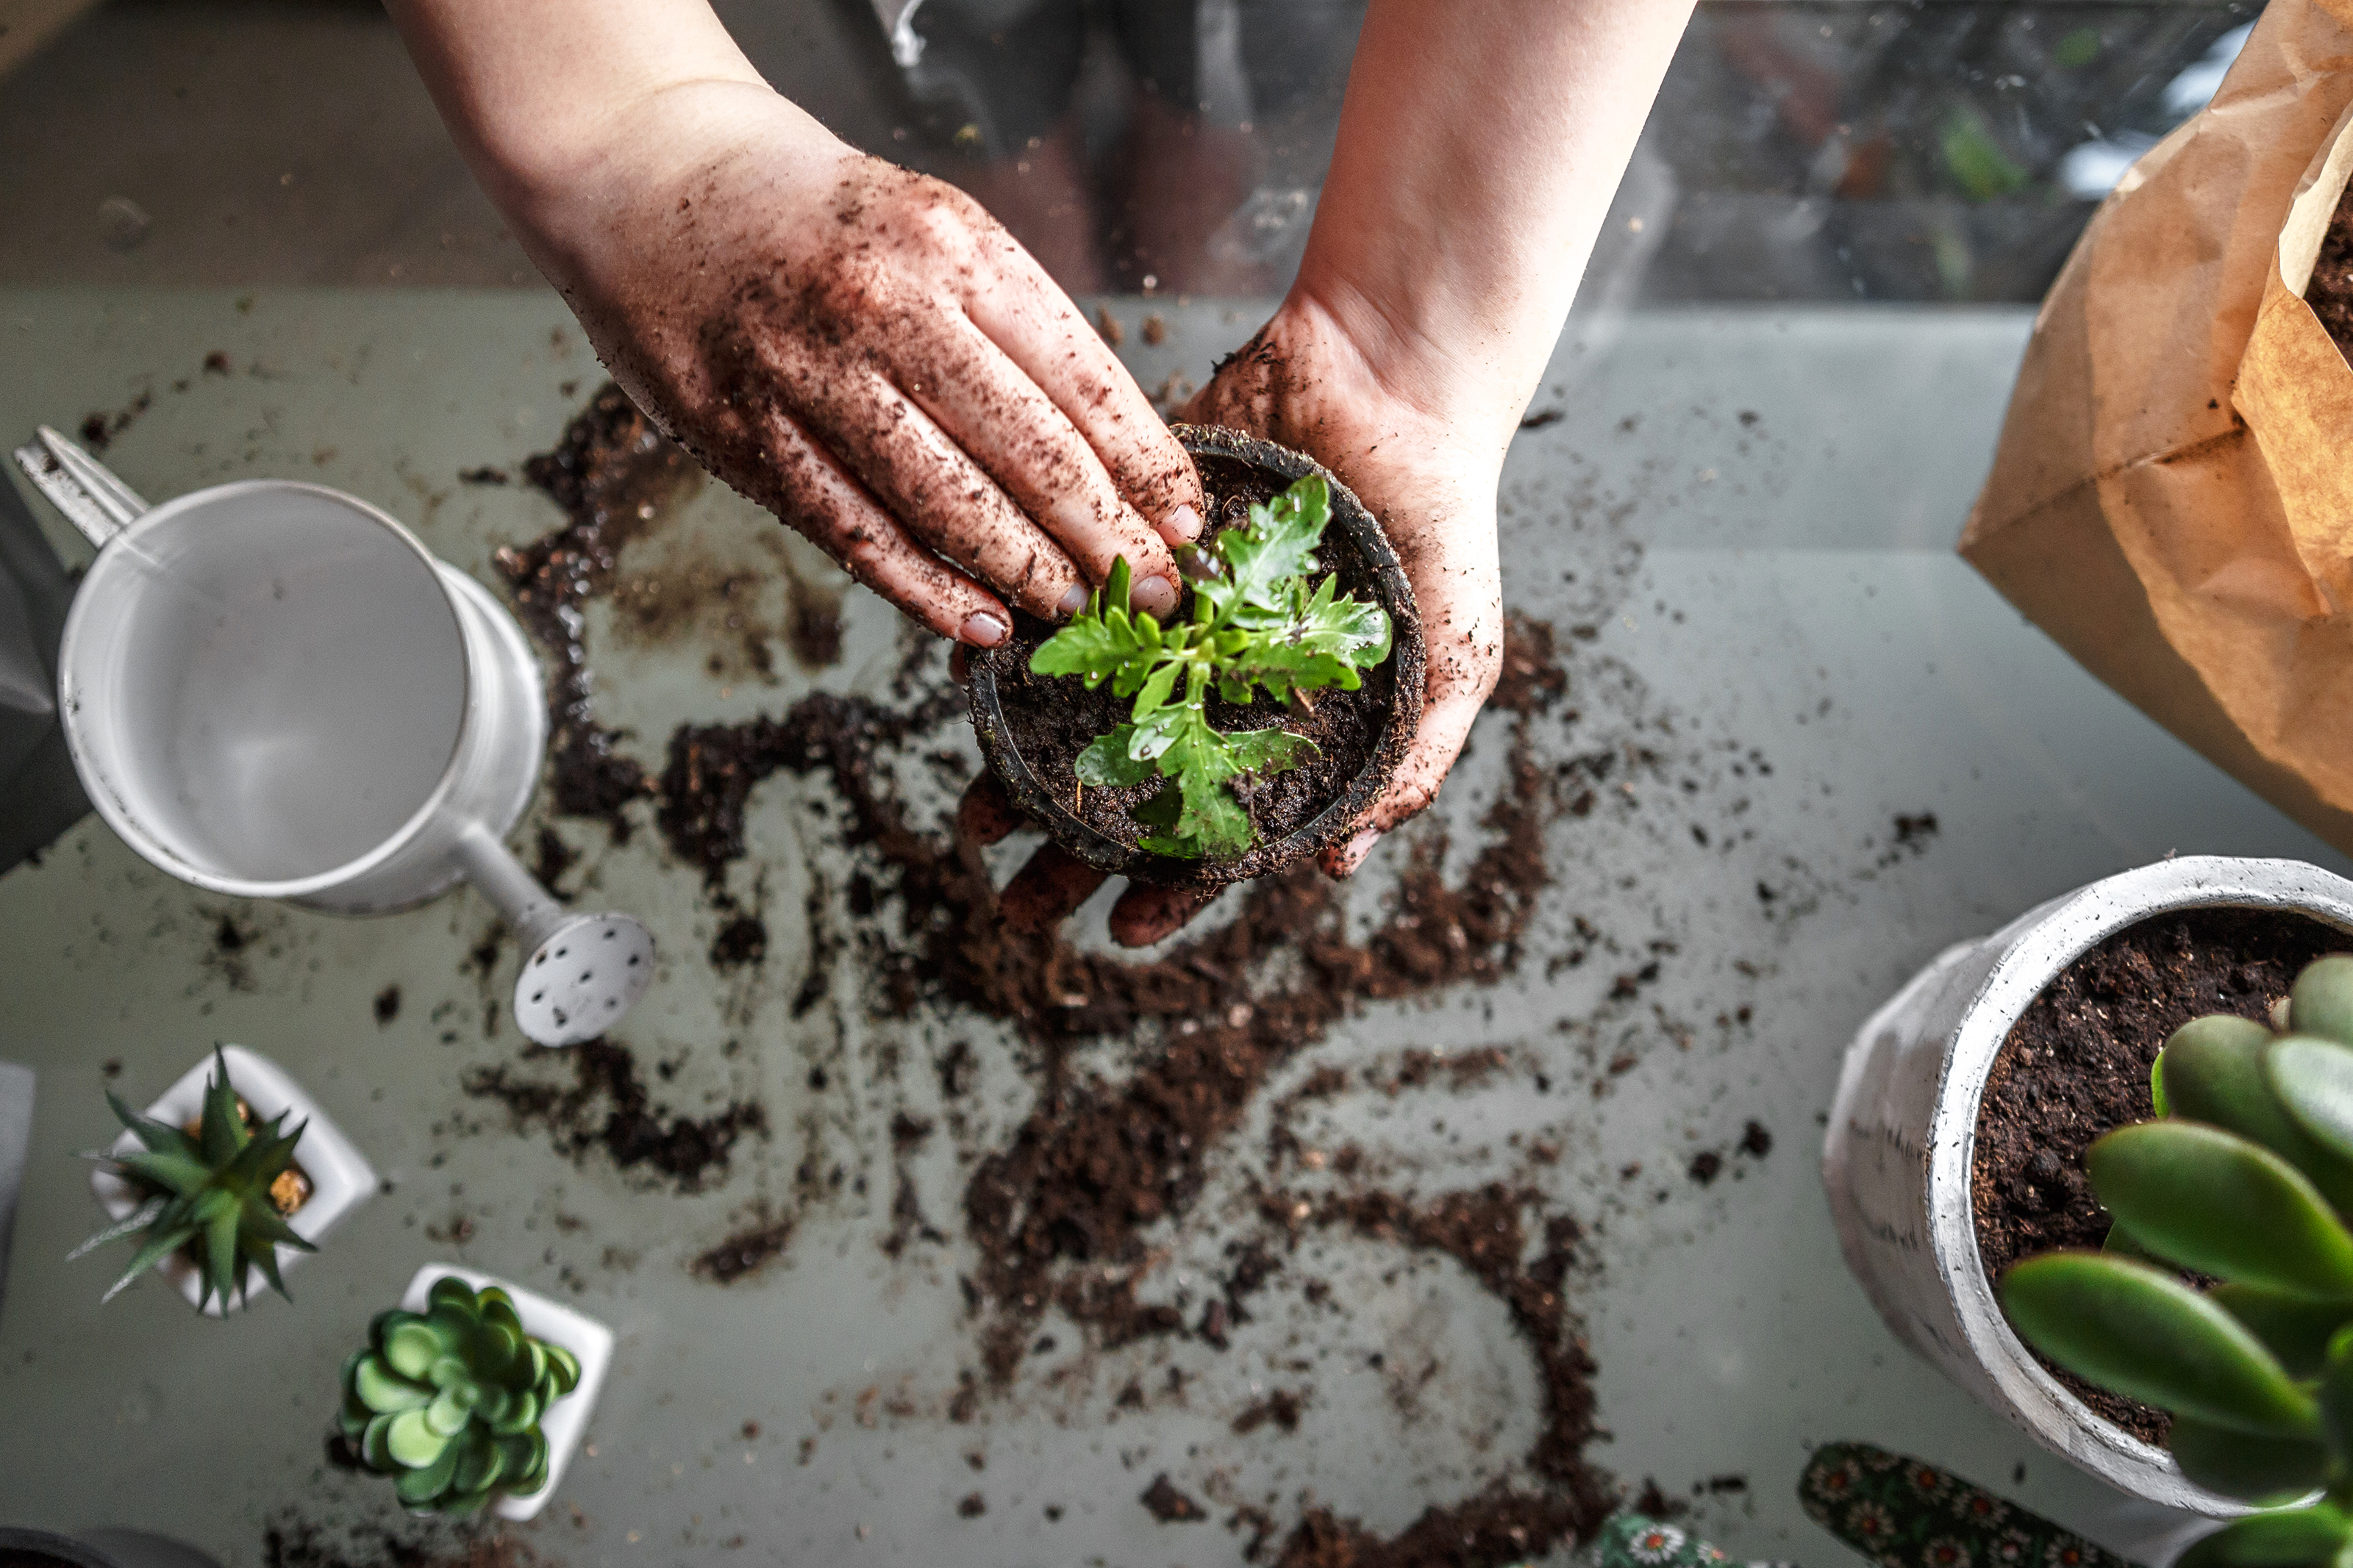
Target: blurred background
1836,149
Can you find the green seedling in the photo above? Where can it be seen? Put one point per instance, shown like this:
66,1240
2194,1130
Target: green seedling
1257,624
447,1402
2248,1179
208,1192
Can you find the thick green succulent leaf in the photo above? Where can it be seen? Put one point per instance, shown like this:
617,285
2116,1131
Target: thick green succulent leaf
449,1413
454,1294
160,1137
220,1130
412,1441
536,1350
161,1242
518,1452
495,1349
2122,1243
478,1463
224,1265
410,1347
166,1172
448,1370
565,1366
2143,1333
2265,1471
376,1444
383,1389
2213,1069
2288,1538
2313,1079
521,1411
424,1485
1105,764
2295,1328
2218,1204
2321,1001
138,1219
457,1504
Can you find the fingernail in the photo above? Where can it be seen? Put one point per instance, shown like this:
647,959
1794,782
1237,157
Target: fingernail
1353,853
1154,597
984,630
1075,600
1185,523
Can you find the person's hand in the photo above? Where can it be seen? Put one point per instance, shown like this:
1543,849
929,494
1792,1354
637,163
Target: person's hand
868,353
1374,422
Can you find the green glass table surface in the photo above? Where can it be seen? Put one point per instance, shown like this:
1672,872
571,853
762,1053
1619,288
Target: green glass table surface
1738,525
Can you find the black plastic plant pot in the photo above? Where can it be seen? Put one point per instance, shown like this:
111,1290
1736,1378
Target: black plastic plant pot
1025,720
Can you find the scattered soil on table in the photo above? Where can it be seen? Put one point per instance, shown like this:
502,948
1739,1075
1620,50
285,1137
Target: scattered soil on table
2076,1064
1057,1217
1164,1502
613,473
1282,1409
607,1107
744,940
1050,718
550,859
387,1005
2330,291
291,1541
746,1251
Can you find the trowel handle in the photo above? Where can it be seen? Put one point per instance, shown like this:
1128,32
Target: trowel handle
96,502
530,908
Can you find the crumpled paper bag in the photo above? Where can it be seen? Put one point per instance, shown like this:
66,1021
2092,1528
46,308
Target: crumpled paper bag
2172,496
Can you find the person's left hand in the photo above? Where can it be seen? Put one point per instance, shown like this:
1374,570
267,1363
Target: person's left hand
1378,421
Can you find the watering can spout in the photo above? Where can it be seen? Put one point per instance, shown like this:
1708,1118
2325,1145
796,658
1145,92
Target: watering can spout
581,973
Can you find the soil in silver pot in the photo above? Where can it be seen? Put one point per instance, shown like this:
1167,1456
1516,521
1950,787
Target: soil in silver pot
2076,1063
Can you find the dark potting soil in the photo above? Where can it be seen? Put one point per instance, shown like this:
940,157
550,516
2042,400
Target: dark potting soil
612,473
2330,291
1053,717
2076,1064
607,1107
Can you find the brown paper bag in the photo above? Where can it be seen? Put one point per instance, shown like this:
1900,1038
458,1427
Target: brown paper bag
2172,497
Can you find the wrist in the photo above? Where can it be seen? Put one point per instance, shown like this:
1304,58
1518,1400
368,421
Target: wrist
1380,357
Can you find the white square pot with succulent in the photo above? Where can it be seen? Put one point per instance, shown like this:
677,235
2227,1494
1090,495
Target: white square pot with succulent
324,1180
473,1393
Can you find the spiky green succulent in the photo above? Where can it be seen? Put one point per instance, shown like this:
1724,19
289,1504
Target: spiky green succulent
2248,1180
208,1192
447,1402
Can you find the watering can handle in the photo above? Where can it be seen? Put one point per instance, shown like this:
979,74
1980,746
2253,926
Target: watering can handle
79,486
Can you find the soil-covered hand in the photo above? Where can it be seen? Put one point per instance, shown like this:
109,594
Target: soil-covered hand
1426,473
1304,383
868,353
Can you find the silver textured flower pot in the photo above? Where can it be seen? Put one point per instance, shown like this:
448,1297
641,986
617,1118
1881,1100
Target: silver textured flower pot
1903,1137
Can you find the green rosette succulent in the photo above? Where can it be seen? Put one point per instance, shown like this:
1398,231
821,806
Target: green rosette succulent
2247,1180
208,1192
447,1402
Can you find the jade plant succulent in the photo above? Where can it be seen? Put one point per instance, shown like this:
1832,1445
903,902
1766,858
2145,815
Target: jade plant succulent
210,1191
2246,1180
1256,623
447,1402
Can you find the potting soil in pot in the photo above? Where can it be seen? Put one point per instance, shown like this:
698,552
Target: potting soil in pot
1054,718
2076,1064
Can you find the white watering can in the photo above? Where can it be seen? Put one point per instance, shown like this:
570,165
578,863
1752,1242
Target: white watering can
272,691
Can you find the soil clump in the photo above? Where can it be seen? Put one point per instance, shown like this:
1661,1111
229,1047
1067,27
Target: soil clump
2076,1063
607,1107
612,473
2330,291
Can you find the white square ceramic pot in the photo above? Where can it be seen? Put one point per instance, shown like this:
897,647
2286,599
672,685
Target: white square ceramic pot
566,1420
340,1179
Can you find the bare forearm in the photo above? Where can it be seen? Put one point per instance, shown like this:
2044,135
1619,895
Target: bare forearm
540,94
1480,145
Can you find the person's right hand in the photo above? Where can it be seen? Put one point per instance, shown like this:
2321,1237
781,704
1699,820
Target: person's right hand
868,353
